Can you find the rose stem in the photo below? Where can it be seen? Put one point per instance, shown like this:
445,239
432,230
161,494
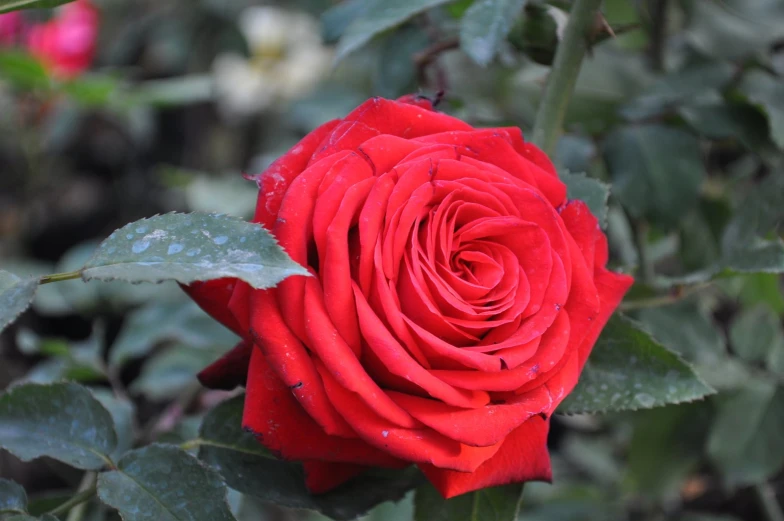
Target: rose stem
563,75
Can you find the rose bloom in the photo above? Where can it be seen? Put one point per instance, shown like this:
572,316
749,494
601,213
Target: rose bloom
455,296
66,44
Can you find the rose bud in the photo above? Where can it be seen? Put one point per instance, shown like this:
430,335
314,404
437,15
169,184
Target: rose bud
66,44
455,296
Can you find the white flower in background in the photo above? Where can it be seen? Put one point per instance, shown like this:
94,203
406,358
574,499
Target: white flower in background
287,59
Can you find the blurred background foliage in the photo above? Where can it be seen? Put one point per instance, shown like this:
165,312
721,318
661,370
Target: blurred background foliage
680,105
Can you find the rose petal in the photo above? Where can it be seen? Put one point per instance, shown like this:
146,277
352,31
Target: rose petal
522,457
281,425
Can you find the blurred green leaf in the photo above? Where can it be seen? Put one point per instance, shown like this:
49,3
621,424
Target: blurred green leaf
231,195
685,329
666,446
591,191
150,325
735,29
63,421
123,413
249,468
693,80
379,16
164,483
656,170
755,333
189,248
167,373
488,504
15,5
13,497
485,26
745,440
22,70
719,120
767,92
629,370
743,247
170,92
16,295
336,19
92,90
764,288
396,71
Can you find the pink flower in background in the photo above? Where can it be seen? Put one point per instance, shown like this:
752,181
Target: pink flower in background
10,28
66,43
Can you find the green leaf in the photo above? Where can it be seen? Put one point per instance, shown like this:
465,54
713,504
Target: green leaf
629,370
396,72
15,5
169,372
718,120
123,413
63,421
165,483
16,295
249,468
13,497
336,19
189,248
591,191
687,331
489,504
745,440
666,446
185,323
485,26
656,170
743,247
677,87
379,16
767,92
735,29
755,333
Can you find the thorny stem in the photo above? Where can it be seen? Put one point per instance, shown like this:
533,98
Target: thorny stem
563,76
57,277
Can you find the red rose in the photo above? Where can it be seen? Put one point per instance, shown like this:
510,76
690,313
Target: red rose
66,44
456,294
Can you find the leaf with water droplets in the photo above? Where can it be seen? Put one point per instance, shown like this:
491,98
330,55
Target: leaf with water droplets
165,483
189,248
15,296
629,370
63,421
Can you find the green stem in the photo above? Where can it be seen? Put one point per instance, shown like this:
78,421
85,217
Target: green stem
768,503
563,76
81,497
647,271
57,277
78,511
